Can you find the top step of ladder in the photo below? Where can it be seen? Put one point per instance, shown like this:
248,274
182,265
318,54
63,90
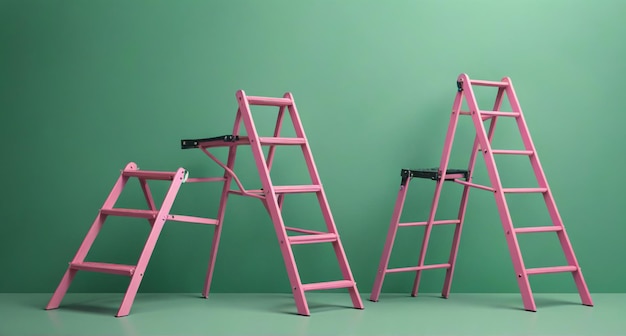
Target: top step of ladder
478,82
269,101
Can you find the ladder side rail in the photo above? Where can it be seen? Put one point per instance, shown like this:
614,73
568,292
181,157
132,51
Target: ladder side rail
272,206
108,204
534,158
505,217
153,237
456,238
443,166
306,150
89,239
391,236
323,202
221,211
277,129
564,240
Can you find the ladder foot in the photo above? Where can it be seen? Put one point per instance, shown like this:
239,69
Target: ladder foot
304,312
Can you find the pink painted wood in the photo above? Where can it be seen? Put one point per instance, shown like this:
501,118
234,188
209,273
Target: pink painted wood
482,144
228,176
156,217
566,245
70,273
273,196
391,236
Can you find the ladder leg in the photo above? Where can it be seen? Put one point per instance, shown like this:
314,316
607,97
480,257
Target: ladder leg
347,274
579,280
339,252
503,210
391,236
217,232
221,212
515,252
443,166
129,296
288,257
144,258
427,231
566,245
325,207
271,203
90,237
62,288
456,239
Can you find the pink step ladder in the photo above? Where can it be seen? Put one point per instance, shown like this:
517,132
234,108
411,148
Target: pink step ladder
482,144
156,217
273,196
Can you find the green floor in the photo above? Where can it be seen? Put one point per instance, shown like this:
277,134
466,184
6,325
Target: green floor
273,314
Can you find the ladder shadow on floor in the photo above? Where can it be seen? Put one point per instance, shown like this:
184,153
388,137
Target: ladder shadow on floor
286,308
283,304
495,301
510,302
107,305
100,306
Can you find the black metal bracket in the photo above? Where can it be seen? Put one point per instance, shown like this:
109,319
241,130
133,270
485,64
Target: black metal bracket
459,86
429,173
193,143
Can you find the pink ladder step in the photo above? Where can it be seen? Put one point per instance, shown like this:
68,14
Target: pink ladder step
118,269
499,114
416,268
328,285
553,228
149,175
269,101
192,219
554,269
511,152
313,239
297,189
282,141
439,222
488,83
148,214
524,190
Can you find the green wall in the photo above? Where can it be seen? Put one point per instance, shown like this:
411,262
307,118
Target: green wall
87,86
